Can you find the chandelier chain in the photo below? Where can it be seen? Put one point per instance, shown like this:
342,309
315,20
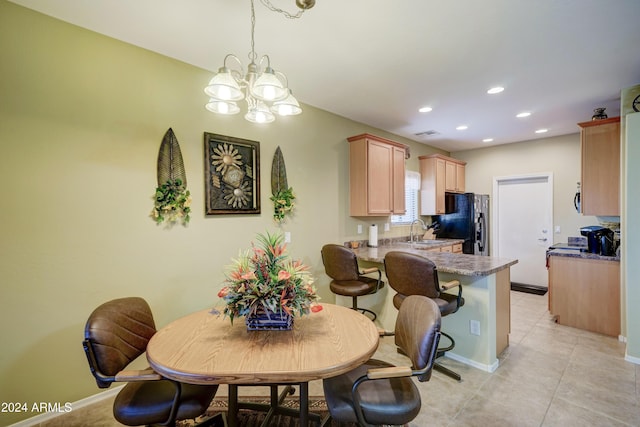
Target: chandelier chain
252,54
272,8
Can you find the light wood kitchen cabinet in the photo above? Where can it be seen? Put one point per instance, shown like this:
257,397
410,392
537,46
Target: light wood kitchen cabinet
600,177
376,176
439,174
585,293
454,176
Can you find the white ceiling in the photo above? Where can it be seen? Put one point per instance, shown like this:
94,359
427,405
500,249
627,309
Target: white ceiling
378,61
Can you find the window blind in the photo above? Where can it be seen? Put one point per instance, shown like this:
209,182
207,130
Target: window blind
411,190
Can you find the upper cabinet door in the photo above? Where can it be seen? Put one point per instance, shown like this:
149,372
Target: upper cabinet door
460,178
600,175
450,183
398,207
380,178
376,176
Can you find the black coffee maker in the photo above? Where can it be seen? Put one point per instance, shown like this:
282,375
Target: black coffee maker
599,239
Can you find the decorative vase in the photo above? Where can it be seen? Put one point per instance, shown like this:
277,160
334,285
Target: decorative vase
267,320
599,114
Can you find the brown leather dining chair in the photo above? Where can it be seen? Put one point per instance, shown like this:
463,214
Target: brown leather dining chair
341,265
116,333
410,274
377,392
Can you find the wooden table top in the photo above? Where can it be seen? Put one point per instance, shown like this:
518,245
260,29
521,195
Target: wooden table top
204,348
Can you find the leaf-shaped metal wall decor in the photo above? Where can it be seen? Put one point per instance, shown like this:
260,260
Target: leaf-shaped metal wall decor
278,173
172,200
170,164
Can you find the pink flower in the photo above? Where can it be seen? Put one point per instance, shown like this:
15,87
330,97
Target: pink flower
278,250
223,292
283,275
250,275
316,308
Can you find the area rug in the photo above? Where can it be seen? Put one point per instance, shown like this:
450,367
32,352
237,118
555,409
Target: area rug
248,418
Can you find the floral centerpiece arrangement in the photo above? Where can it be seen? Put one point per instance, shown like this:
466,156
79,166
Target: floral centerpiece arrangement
265,281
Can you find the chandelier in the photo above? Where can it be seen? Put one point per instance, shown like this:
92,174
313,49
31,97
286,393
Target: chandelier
264,89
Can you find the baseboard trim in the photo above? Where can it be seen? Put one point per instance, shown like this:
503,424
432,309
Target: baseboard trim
632,359
487,368
41,418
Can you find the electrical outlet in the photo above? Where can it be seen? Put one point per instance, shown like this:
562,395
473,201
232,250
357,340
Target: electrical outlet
287,237
386,226
558,229
474,327
359,228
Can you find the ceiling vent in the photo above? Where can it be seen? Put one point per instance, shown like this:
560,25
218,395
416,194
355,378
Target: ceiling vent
427,133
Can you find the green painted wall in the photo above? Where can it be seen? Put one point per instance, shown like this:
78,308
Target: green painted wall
81,120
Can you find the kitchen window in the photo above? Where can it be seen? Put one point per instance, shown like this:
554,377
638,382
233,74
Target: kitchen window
411,190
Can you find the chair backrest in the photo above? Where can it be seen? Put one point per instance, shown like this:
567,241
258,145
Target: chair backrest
116,333
411,274
339,262
417,332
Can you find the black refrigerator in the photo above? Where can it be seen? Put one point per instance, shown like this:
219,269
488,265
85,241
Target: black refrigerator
467,218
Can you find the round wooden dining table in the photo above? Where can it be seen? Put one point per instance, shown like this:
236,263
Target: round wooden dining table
205,348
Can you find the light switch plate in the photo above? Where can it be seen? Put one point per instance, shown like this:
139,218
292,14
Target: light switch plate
474,327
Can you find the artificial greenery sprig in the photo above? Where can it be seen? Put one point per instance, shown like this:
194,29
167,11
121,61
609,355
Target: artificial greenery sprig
282,203
172,203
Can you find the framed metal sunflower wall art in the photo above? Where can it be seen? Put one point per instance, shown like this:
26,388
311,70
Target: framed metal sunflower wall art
232,175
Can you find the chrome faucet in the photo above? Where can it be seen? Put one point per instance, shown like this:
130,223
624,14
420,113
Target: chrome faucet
424,227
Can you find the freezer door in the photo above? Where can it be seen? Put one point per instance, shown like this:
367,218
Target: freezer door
481,208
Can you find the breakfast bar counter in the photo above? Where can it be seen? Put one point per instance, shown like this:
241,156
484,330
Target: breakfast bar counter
466,265
486,286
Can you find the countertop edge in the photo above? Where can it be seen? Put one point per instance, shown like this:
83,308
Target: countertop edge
462,264
572,253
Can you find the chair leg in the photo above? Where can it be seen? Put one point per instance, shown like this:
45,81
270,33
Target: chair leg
440,352
438,367
363,310
450,347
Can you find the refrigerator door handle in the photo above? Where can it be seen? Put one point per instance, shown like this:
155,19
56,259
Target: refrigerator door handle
481,235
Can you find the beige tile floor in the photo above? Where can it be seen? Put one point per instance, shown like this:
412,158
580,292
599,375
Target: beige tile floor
550,375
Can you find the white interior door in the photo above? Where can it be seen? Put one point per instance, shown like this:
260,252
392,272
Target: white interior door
523,225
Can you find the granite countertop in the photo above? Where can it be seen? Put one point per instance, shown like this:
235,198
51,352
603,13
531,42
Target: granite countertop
430,244
466,265
576,253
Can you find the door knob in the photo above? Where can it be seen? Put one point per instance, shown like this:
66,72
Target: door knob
543,240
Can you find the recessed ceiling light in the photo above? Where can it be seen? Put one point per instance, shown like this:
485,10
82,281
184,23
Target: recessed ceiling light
495,90
523,114
542,130
425,109
487,140
462,127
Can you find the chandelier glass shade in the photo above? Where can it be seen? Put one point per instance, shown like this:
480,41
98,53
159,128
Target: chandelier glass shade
264,89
